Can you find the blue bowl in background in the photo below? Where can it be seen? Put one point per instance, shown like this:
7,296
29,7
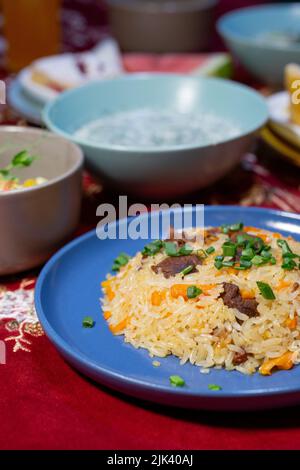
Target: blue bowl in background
252,34
168,171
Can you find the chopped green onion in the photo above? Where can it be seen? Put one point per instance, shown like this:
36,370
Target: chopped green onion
214,387
288,264
240,268
120,261
245,263
219,258
229,249
284,246
210,250
266,290
248,253
236,227
152,248
232,228
185,250
171,249
177,381
273,260
187,270
193,292
257,260
266,254
227,264
218,264
88,322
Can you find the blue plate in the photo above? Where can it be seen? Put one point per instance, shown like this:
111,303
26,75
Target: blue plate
69,289
25,105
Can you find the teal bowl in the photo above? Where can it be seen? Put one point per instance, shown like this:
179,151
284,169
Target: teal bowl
156,171
264,38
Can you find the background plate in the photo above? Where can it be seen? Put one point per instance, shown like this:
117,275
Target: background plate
69,289
29,108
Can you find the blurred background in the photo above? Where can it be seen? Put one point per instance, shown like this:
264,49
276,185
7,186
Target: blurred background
35,28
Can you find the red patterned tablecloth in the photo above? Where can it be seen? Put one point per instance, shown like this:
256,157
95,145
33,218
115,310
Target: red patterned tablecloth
46,404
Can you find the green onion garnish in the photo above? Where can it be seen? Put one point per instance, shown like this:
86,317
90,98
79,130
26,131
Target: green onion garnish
171,249
120,261
288,264
210,250
152,248
288,256
286,250
266,254
187,270
258,260
248,253
232,228
245,263
185,250
266,290
218,264
227,264
214,387
193,292
229,249
176,381
88,322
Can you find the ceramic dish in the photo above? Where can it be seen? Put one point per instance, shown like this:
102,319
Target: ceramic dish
280,120
37,220
68,289
162,25
254,35
171,169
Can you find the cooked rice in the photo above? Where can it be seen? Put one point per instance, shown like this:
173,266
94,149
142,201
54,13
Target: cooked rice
204,330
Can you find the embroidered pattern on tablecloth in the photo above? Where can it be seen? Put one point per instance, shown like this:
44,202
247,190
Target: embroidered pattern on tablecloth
18,314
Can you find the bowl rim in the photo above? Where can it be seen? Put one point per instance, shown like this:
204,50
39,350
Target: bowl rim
227,33
53,181
156,150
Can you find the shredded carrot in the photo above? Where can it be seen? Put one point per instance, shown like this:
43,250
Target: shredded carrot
157,298
284,362
249,228
231,271
292,323
283,284
179,290
108,290
167,315
119,326
107,315
206,287
276,235
247,294
258,231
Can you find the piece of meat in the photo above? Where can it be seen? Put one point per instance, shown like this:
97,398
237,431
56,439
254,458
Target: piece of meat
295,287
239,358
232,298
180,241
211,235
174,265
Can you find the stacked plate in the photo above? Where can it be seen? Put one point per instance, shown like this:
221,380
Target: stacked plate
43,80
282,135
